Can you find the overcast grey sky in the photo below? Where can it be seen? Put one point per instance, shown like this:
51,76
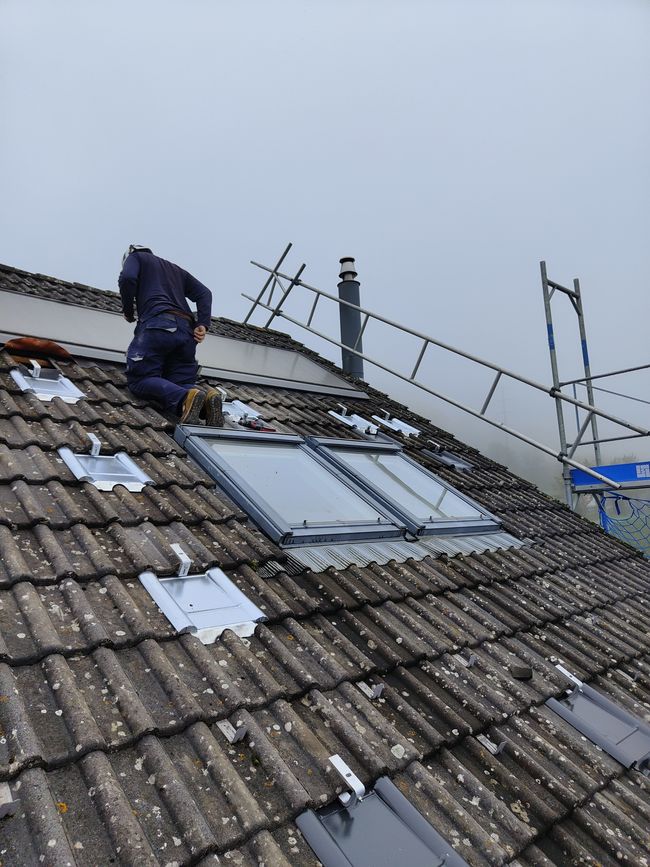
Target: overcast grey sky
449,145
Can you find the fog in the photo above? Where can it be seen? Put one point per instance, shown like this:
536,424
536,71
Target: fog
448,145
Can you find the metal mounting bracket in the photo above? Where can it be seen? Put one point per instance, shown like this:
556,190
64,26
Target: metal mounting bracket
467,663
36,368
490,746
569,676
184,561
348,799
354,421
96,444
372,692
232,734
396,424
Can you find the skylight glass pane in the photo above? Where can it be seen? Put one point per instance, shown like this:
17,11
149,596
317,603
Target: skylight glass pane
295,485
411,489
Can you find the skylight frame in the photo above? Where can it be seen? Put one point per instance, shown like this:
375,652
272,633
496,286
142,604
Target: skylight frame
489,523
195,439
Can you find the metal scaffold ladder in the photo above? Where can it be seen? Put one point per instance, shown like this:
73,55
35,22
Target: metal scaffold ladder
285,284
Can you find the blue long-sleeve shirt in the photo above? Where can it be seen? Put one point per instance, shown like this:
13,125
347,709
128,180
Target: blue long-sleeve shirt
153,285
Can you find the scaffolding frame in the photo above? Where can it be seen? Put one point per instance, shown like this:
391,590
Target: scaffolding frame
286,283
549,288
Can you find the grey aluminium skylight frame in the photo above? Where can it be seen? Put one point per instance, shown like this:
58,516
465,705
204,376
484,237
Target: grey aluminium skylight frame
488,524
195,440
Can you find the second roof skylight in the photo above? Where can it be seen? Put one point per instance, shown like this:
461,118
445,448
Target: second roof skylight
418,498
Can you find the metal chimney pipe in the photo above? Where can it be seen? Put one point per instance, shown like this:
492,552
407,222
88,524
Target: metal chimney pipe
350,318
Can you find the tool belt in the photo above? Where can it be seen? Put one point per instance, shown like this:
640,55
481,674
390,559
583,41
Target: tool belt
186,316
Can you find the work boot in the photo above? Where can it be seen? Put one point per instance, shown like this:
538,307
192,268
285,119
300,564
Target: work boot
192,406
213,408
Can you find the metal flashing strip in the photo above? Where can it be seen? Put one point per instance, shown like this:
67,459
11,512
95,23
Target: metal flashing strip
354,421
106,471
46,384
378,829
396,424
621,734
204,604
318,558
448,459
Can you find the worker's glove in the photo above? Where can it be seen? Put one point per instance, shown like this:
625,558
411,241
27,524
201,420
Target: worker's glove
130,318
199,333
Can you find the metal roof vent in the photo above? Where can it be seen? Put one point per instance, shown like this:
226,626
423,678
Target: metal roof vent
46,383
105,471
625,737
204,604
380,828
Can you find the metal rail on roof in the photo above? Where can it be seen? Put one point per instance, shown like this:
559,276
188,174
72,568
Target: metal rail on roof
565,455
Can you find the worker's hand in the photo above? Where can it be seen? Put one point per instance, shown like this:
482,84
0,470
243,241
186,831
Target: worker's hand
199,333
130,318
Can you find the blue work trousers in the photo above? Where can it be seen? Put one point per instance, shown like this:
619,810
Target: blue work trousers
161,360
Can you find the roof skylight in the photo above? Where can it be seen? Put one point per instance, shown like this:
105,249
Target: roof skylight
288,489
419,499
318,491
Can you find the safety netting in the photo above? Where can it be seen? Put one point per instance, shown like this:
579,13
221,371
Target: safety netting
627,518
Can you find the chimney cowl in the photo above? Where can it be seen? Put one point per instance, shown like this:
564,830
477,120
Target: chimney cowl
348,269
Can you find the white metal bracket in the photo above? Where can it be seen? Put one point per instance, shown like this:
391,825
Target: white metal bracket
372,692
396,424
490,746
348,799
232,734
183,560
96,444
36,368
237,410
467,663
354,421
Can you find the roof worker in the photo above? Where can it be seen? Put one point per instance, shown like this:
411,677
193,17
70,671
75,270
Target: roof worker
161,358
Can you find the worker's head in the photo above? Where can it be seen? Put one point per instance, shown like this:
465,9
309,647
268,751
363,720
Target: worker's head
135,248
